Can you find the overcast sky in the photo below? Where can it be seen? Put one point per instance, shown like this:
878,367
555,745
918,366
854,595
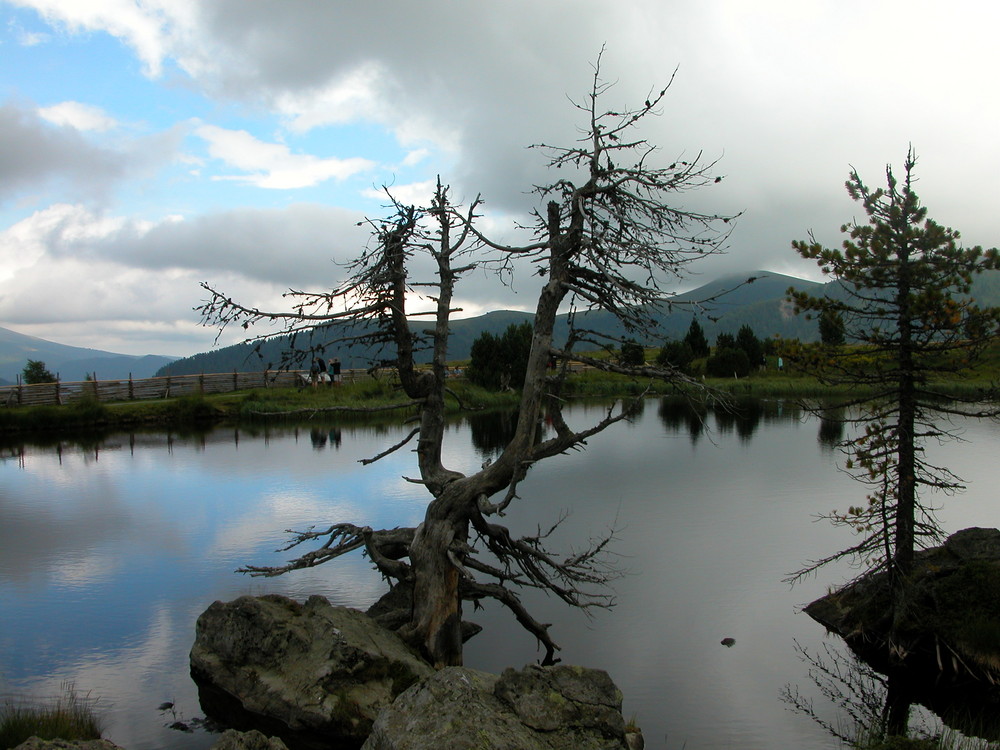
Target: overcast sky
149,145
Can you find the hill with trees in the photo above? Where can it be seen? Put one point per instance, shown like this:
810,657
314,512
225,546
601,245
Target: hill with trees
762,305
734,303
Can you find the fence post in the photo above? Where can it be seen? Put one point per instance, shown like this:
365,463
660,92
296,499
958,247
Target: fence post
236,381
201,384
131,388
58,397
20,391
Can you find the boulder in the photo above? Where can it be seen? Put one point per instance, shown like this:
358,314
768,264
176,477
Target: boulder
942,633
536,708
950,607
302,671
252,740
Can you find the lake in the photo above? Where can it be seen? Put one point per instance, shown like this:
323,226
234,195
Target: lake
110,549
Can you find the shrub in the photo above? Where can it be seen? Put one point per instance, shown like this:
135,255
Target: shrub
35,372
633,354
501,361
728,362
677,354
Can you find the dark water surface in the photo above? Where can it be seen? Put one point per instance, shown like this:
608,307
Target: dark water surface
109,552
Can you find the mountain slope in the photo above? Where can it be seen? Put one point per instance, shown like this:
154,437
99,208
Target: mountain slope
761,303
71,363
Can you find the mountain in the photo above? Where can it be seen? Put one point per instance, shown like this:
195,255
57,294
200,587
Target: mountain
760,304
721,306
71,363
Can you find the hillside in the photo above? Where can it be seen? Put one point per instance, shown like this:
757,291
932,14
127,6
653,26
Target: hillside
733,303
71,363
760,304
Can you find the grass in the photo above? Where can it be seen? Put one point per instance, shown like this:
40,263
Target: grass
293,404
69,717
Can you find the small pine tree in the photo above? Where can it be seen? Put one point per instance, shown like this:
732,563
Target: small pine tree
676,354
501,361
831,328
725,341
633,354
695,338
35,372
747,340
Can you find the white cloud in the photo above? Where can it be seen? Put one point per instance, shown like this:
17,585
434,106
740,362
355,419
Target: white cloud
78,115
414,194
146,26
354,96
273,165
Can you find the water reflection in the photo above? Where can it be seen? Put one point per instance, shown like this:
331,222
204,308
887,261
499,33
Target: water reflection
320,437
678,414
832,423
110,548
870,703
740,416
491,431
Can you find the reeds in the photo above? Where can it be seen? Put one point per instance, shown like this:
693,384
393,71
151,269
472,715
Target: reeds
70,716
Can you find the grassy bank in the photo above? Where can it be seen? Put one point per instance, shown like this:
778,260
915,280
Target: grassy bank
68,717
368,399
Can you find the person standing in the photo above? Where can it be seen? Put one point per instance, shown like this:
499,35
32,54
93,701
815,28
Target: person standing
335,370
319,372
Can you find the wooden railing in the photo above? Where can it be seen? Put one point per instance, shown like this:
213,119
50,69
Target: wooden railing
168,386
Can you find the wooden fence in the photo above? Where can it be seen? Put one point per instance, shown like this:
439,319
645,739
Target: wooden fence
168,386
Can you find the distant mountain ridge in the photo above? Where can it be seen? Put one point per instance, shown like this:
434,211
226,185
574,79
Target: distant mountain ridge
734,302
72,363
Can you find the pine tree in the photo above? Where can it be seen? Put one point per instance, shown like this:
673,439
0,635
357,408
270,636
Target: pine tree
907,304
696,339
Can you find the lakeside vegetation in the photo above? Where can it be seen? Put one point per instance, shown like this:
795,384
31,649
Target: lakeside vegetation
366,399
69,717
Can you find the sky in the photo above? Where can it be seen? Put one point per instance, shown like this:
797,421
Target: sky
147,146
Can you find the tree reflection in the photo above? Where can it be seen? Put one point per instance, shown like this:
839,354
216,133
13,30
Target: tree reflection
743,416
491,431
678,414
831,427
871,706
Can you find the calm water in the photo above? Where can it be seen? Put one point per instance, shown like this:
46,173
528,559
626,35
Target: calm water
109,552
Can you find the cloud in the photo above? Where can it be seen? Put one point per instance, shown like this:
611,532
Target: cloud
150,28
784,94
273,165
79,116
68,264
35,155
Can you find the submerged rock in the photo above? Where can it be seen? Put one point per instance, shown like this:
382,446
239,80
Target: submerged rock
536,708
302,671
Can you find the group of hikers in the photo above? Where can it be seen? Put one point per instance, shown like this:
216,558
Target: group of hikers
325,372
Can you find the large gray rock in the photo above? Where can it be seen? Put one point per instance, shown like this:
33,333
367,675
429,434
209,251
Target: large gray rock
311,670
252,740
536,708
940,632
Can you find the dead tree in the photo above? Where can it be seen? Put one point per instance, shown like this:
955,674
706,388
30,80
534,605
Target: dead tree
604,239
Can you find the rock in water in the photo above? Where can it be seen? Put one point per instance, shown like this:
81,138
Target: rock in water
301,671
536,708
252,740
